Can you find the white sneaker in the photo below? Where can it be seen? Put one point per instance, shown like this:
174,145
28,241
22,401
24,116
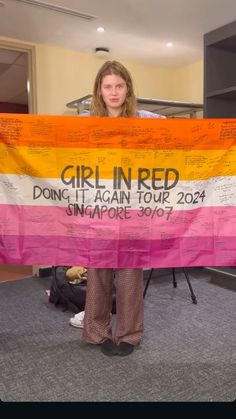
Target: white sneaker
77,320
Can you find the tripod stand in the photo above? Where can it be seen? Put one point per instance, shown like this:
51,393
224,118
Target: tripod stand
193,296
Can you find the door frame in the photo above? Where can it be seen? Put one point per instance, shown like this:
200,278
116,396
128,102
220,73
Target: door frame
15,271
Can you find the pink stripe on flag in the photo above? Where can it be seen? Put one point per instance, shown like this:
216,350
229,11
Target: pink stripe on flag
177,252
44,221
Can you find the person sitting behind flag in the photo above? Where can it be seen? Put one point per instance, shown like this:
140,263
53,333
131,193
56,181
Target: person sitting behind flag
113,96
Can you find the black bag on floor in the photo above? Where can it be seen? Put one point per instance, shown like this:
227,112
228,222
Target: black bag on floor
67,295
63,293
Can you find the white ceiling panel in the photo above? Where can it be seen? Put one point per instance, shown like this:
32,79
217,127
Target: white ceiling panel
134,29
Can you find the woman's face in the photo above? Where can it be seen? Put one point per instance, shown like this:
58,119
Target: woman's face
113,91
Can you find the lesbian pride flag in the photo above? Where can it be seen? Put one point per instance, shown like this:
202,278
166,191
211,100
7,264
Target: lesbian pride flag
117,192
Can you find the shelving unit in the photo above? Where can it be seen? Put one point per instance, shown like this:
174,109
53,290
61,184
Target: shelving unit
220,72
220,86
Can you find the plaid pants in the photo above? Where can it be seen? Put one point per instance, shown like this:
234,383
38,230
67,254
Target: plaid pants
129,306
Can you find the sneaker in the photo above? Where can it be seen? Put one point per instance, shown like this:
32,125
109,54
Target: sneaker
77,320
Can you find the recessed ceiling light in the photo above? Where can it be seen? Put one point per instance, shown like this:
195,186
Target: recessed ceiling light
169,44
100,29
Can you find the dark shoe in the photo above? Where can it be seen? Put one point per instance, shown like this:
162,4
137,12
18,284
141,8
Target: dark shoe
124,348
108,348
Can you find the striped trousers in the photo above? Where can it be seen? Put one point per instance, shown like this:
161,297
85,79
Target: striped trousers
129,306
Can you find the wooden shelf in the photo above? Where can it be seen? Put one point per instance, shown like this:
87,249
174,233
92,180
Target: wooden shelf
220,72
228,93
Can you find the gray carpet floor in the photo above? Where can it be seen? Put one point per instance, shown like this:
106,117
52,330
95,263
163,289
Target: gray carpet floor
188,352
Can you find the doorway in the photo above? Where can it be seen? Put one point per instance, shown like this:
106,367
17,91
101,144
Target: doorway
17,78
17,95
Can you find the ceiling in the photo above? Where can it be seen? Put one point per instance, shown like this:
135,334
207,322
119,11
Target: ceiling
134,29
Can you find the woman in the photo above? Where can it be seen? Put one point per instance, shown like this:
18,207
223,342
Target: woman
113,96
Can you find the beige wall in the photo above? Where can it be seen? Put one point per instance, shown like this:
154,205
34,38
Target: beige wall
65,75
187,83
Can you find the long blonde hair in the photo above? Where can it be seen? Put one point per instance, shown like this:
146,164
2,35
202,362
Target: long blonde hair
98,107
